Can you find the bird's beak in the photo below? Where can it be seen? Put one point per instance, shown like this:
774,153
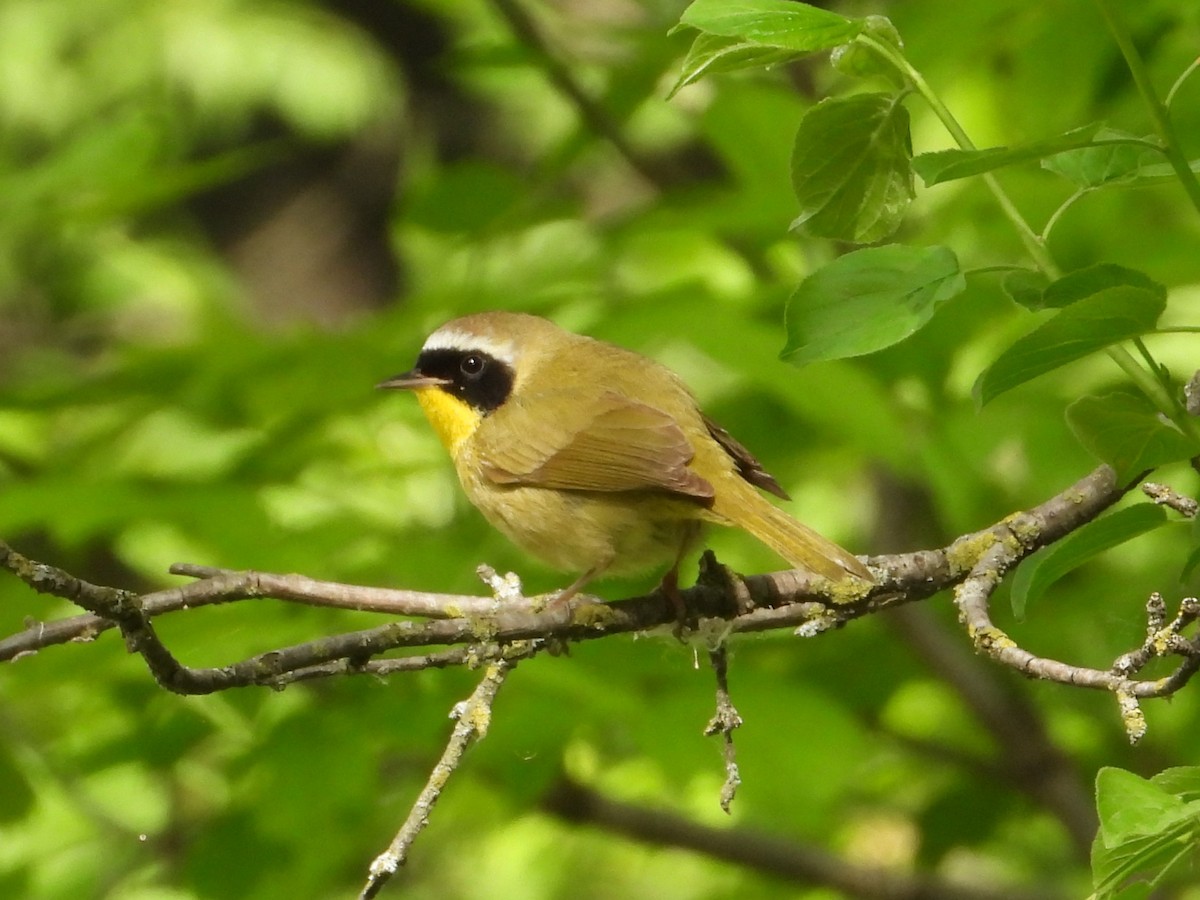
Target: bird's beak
412,381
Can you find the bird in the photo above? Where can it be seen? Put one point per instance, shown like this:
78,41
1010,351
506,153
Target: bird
592,458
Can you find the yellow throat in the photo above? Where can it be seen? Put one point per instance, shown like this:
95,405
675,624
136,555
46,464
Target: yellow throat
453,421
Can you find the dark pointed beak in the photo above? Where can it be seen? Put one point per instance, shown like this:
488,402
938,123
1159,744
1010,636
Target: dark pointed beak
411,381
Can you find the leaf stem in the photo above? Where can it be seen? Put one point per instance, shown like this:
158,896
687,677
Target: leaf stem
1183,76
1158,110
1155,390
1033,243
1062,208
1145,378
1189,424
987,270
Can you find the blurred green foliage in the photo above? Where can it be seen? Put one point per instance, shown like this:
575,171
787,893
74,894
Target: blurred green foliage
191,325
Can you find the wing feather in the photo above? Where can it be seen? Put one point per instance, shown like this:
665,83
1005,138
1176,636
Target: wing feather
748,467
611,444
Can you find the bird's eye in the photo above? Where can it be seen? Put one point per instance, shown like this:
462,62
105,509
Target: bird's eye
472,366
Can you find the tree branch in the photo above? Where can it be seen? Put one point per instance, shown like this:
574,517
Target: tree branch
792,860
1015,538
492,628
595,117
437,630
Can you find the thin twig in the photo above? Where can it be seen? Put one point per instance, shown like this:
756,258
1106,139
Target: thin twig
473,716
1164,495
723,723
470,656
972,597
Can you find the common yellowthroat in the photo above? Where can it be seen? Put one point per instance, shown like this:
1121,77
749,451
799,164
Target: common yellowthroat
591,457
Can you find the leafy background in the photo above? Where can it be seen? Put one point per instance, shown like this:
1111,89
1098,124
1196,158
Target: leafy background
224,222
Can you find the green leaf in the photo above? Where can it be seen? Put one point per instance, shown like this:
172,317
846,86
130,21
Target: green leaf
1115,157
1111,315
948,165
1145,830
858,60
16,794
1183,781
1145,857
466,196
1085,282
851,168
1130,806
772,23
867,300
1126,431
1036,574
713,53
1193,559
1025,286
1162,171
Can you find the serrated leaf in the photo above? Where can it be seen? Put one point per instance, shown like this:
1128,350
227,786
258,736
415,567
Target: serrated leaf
948,165
1125,431
1025,286
851,168
1084,282
1037,573
712,53
1130,806
772,23
1112,315
867,300
1182,781
1115,157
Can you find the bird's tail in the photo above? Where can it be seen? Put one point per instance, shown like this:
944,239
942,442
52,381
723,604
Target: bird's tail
795,542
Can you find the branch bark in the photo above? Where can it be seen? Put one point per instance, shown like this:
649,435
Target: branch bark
517,626
435,630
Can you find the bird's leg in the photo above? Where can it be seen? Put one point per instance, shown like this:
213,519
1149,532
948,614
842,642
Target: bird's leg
670,581
670,588
564,596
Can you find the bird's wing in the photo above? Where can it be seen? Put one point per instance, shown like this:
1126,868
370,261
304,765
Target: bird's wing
606,443
748,467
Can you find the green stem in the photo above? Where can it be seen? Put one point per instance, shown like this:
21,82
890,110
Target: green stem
1158,110
1063,207
987,270
1155,391
1186,74
1145,381
1033,244
1145,378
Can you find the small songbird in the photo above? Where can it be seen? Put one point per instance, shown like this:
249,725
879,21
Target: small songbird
593,458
